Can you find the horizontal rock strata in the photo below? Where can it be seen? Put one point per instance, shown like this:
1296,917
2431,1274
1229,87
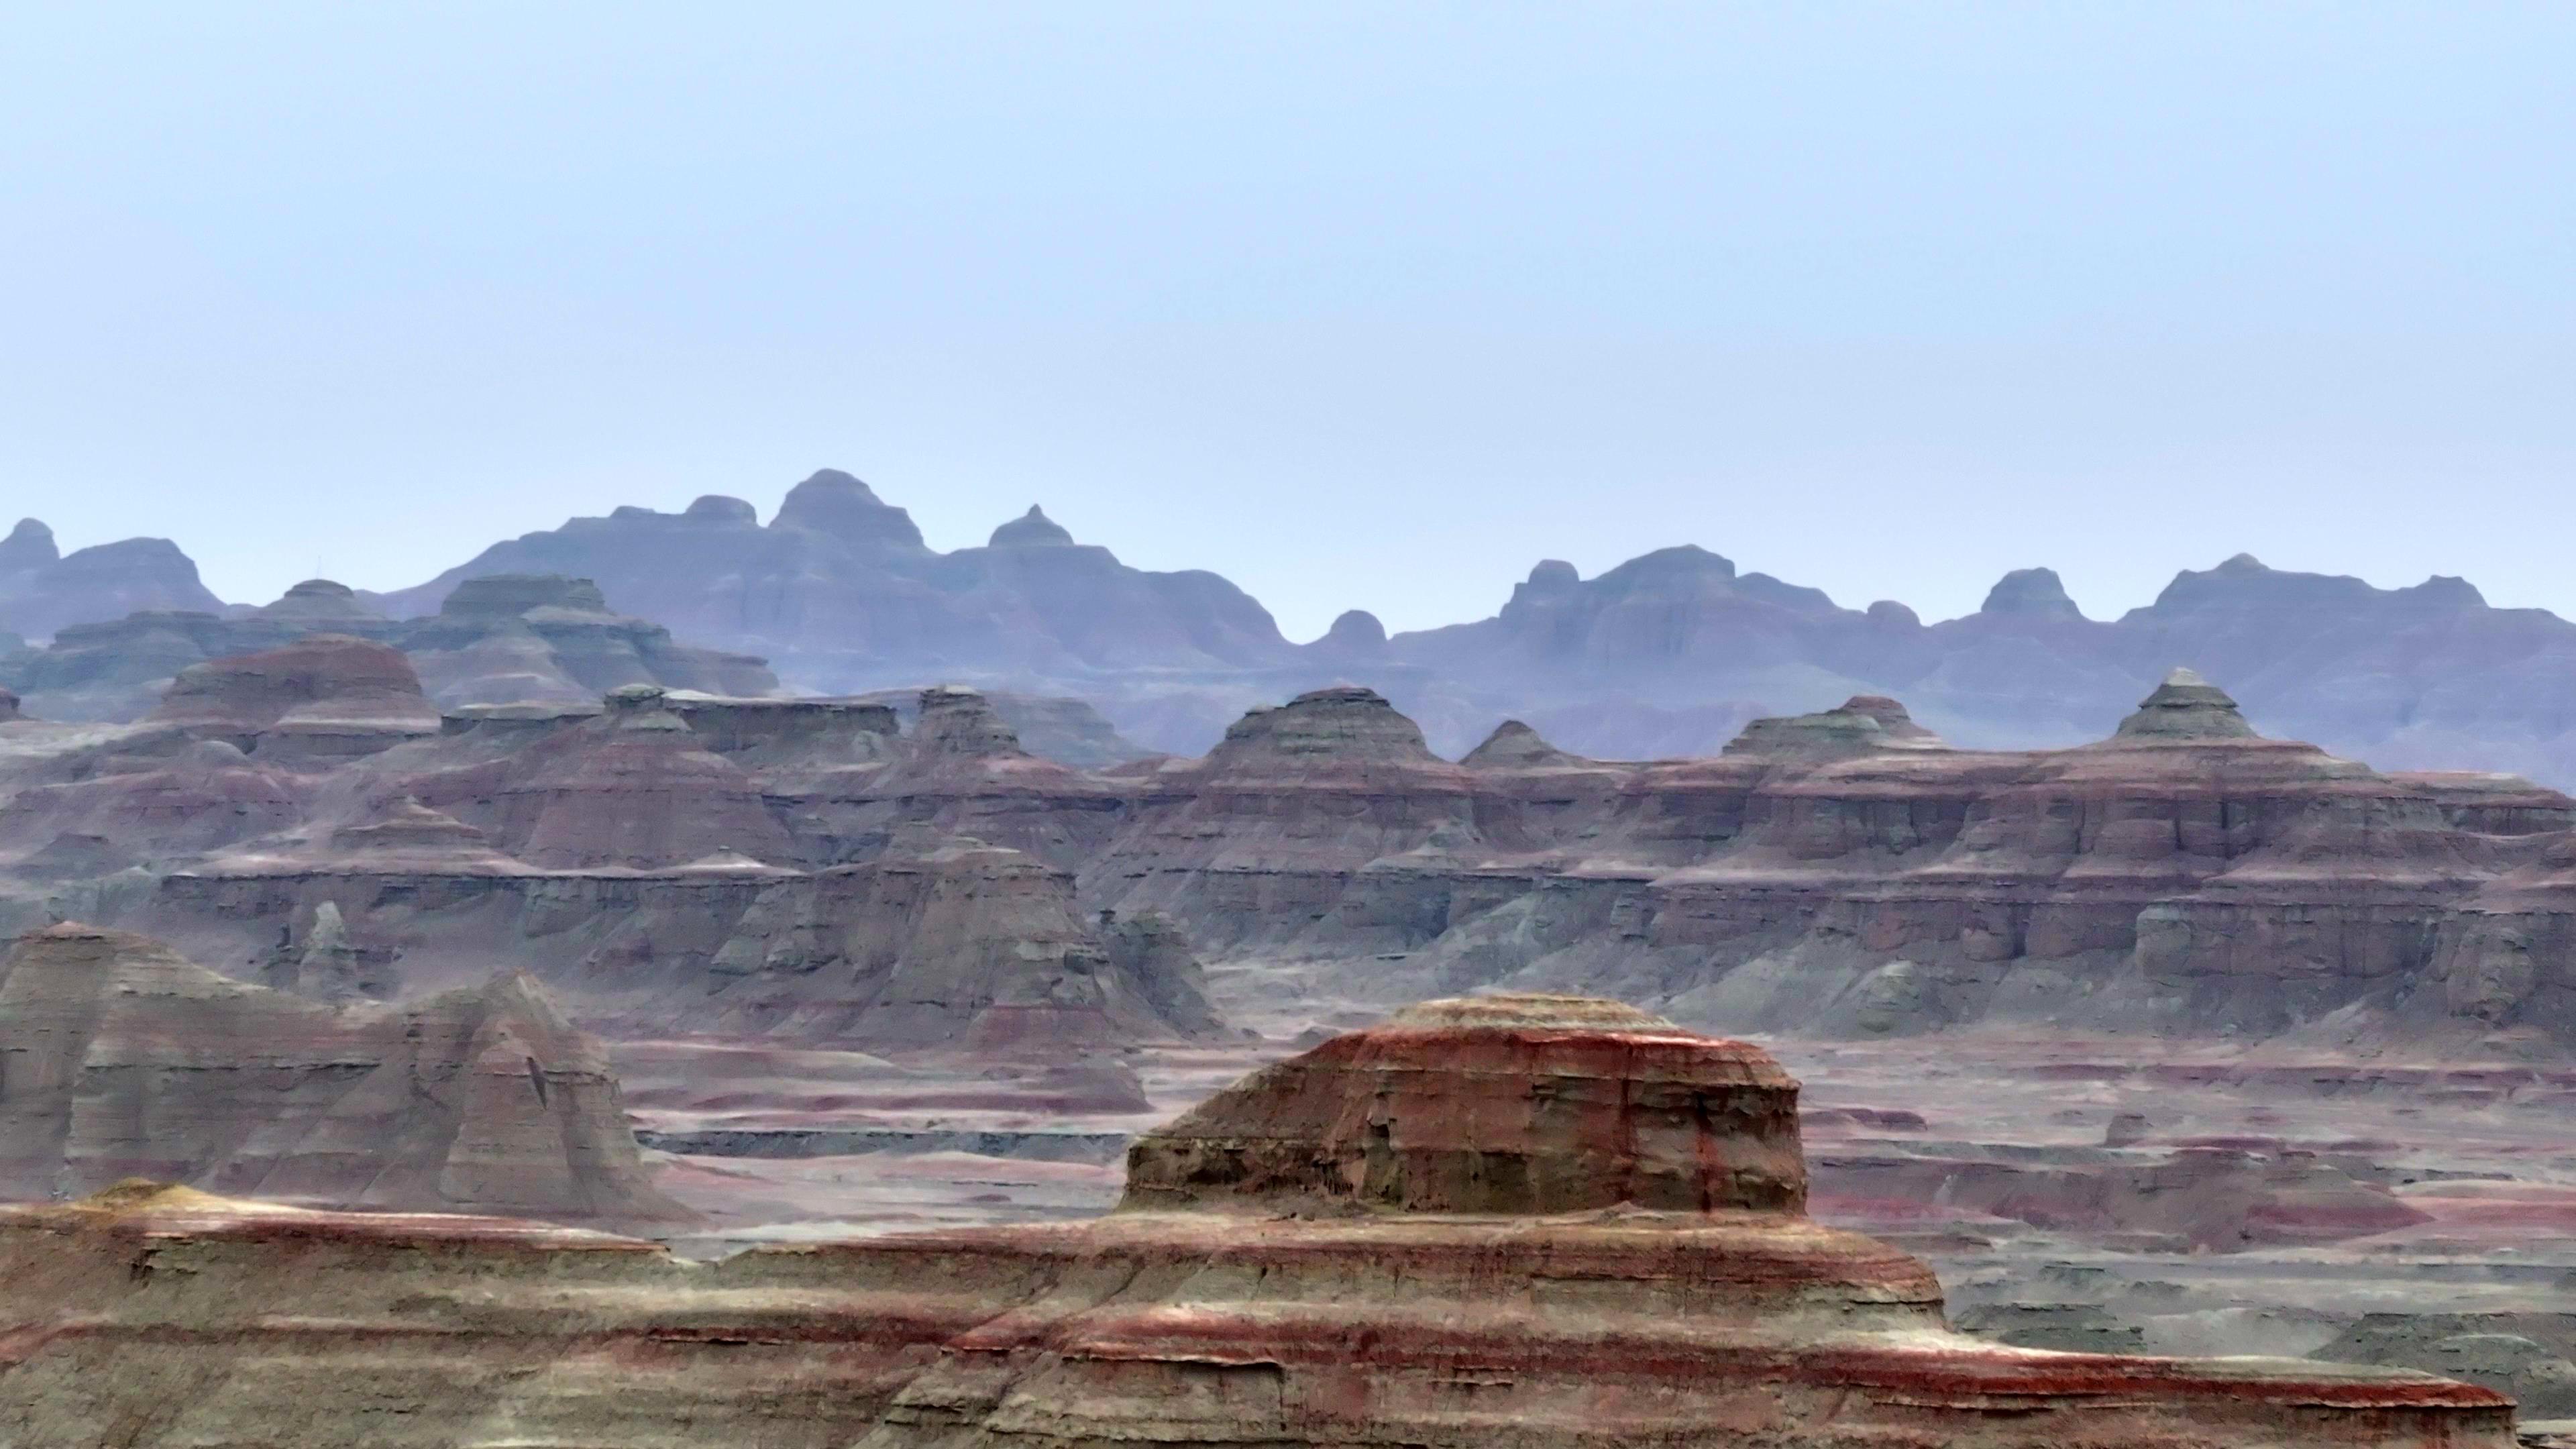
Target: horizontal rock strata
1183,1318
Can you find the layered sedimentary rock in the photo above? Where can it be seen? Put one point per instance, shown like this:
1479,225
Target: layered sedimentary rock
119,1058
633,788
1845,872
966,945
1263,839
793,869
1067,731
1469,1264
324,697
960,772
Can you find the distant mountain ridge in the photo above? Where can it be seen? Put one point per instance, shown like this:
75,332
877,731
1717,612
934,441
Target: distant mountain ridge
1669,653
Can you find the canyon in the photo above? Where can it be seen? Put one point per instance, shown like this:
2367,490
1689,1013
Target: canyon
1552,1221
2186,1040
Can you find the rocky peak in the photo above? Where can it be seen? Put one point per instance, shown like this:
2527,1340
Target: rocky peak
510,596
1514,745
2187,706
1343,722
321,601
834,503
717,508
1889,614
29,546
1357,631
956,722
1032,529
1492,1105
2030,594
328,694
1860,725
1890,714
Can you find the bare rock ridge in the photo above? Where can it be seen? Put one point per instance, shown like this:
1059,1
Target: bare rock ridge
814,870
1667,654
119,1058
841,593
1032,529
1177,1319
2031,593
500,639
43,589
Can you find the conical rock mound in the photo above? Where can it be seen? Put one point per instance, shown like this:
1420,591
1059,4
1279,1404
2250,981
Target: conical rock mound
2186,707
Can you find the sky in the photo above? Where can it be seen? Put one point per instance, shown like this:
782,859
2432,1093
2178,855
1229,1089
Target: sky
1361,305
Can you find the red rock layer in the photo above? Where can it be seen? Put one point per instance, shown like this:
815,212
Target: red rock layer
1493,1105
327,696
1442,1330
633,789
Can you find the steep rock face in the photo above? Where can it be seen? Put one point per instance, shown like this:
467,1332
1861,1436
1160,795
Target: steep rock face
1182,1318
1429,1113
42,589
966,945
123,1059
1848,874
1260,840
961,771
633,789
325,697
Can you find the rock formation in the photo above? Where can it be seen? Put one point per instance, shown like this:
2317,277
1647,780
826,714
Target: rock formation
327,696
1067,731
119,1058
42,589
633,788
842,594
1670,653
1473,1259
966,945
1844,873
503,640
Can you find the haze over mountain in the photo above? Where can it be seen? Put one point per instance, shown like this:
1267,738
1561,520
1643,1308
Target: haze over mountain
1669,653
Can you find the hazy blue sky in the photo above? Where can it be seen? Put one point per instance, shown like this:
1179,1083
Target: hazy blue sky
1358,304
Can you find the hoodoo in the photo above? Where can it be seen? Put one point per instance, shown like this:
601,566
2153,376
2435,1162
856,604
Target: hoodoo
1522,1221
